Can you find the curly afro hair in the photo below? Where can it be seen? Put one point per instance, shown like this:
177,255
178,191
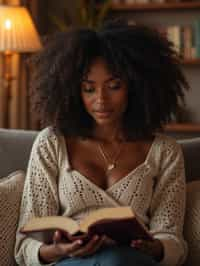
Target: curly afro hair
139,55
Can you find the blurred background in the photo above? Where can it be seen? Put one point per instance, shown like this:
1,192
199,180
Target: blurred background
23,23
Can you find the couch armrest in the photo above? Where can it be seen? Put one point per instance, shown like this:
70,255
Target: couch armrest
192,223
15,147
191,152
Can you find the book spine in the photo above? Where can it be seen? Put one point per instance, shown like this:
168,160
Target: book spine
141,1
187,38
197,37
176,38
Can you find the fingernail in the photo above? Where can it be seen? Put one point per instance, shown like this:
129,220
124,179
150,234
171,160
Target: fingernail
79,242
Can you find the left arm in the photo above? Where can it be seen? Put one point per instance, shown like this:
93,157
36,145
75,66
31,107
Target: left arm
167,210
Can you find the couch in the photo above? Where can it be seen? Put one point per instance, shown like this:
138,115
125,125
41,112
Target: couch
15,146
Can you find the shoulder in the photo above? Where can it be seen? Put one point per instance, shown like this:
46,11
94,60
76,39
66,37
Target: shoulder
48,133
167,144
48,138
170,153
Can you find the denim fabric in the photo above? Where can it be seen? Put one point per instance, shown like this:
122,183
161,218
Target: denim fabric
112,256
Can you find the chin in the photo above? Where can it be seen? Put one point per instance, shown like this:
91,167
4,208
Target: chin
104,122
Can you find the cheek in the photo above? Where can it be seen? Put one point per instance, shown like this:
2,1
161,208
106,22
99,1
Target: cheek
122,101
87,102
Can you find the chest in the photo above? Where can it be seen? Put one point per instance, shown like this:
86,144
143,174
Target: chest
87,159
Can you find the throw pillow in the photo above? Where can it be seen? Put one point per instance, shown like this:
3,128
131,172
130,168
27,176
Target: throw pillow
11,188
192,223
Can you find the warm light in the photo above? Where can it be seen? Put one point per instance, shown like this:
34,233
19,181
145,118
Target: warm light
17,34
17,30
8,24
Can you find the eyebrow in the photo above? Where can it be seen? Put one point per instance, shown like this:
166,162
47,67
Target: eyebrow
92,81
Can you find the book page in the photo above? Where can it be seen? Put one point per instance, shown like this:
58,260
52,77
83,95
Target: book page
51,222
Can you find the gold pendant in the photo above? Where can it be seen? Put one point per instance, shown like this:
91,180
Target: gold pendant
111,166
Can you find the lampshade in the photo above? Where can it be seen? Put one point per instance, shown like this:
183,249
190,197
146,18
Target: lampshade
17,30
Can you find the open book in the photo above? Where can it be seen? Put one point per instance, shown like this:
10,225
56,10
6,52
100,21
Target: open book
118,223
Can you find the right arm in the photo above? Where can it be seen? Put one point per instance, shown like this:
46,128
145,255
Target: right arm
40,195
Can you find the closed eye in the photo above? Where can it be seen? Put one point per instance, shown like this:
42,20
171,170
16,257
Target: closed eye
88,90
115,85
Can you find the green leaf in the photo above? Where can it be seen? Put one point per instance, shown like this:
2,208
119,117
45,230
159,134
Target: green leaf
59,23
87,15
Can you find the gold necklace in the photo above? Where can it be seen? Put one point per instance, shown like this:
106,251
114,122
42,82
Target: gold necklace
111,163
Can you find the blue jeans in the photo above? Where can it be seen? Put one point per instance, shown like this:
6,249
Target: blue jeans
112,256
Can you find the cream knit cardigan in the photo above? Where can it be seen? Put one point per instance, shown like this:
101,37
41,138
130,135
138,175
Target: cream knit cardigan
155,190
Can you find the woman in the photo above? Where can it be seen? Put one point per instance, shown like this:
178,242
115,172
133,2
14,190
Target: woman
105,96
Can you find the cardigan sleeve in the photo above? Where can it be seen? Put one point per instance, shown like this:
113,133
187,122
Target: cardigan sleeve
168,205
40,195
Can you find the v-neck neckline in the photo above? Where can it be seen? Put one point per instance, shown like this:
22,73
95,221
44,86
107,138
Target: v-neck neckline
117,183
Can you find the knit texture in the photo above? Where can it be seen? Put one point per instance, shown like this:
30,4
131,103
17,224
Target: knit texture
192,225
11,188
155,190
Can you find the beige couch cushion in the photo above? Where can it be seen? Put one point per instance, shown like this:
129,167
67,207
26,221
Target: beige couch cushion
10,197
192,223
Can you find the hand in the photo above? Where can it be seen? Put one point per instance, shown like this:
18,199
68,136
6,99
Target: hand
153,248
109,241
61,248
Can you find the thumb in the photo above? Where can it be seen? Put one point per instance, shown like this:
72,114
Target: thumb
57,236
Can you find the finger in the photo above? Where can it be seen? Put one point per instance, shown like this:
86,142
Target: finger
57,237
97,246
143,245
136,243
140,244
60,237
89,248
68,248
84,250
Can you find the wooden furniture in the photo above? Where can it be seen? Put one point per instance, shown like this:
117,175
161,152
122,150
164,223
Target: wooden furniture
165,14
138,8
183,130
157,6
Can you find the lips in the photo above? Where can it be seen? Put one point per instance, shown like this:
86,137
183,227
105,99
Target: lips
103,113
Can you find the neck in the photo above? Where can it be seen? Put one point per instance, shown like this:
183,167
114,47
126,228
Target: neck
108,134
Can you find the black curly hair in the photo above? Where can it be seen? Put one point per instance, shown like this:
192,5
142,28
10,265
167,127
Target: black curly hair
139,55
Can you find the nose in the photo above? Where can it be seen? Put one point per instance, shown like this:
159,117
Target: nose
101,96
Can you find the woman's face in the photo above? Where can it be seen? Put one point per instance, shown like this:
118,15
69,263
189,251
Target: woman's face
104,95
